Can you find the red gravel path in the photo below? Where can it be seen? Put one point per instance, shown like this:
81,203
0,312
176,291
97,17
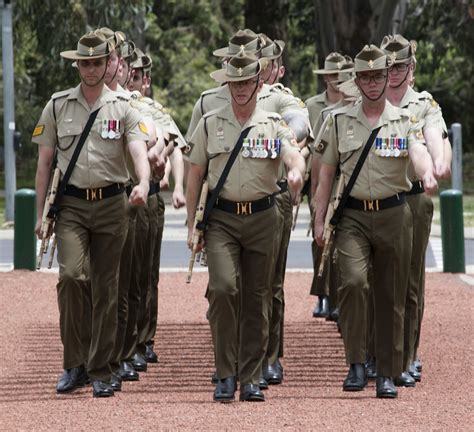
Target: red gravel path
177,393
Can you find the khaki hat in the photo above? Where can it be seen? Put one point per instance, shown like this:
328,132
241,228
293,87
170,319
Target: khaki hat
127,50
92,45
398,48
270,50
118,37
347,71
333,64
142,60
371,58
246,39
241,67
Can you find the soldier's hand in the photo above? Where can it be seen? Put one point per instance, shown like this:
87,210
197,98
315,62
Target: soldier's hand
295,181
318,232
430,184
164,183
38,232
178,199
139,194
442,170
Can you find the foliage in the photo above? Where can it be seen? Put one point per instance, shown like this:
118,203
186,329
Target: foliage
180,36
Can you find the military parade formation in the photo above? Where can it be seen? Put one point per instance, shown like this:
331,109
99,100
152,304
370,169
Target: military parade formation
365,154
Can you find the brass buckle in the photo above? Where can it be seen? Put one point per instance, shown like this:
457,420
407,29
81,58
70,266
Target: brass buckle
244,208
369,205
91,194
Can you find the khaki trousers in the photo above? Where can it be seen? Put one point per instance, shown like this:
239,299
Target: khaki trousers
94,229
381,240
240,248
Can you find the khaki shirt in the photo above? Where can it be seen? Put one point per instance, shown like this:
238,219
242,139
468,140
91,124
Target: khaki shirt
274,98
102,160
380,176
250,178
422,106
315,104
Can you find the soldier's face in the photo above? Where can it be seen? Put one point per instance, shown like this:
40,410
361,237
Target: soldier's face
245,91
114,68
136,81
331,81
92,71
372,83
398,73
125,71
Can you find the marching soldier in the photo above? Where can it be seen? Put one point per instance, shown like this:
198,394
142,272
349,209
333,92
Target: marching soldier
240,240
333,64
375,230
92,219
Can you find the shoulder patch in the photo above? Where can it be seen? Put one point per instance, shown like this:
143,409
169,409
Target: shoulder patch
62,93
38,130
434,104
142,127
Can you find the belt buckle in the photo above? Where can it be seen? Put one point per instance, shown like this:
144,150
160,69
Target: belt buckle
369,205
244,208
91,194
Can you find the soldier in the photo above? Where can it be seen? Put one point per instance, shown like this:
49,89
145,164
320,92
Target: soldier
422,107
240,240
375,230
92,218
333,64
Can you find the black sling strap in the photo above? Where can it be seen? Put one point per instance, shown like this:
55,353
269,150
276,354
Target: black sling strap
53,210
215,193
338,213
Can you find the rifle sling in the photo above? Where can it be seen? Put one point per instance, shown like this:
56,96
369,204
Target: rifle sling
53,210
345,195
215,193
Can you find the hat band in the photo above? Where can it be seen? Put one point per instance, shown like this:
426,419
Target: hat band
367,65
101,49
249,70
250,46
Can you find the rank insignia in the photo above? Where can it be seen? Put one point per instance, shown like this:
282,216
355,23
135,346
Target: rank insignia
142,127
38,130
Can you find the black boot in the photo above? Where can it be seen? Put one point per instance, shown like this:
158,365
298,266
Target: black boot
322,308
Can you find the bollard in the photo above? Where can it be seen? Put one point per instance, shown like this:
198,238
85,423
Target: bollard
452,231
24,245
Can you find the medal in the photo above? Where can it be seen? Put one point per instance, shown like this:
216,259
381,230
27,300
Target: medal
245,153
117,131
396,152
104,133
111,134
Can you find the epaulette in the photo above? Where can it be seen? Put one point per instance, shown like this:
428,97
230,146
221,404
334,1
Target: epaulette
278,87
210,91
135,95
122,96
424,95
274,116
62,93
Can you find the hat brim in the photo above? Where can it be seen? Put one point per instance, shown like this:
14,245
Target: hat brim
221,76
72,55
326,71
280,46
224,52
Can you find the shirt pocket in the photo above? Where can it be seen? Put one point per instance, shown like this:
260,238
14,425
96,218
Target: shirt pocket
216,148
67,135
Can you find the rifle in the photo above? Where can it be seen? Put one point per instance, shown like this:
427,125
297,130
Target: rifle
197,233
328,227
48,223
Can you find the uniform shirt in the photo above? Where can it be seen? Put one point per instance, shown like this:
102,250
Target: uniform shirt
215,137
315,104
380,176
422,106
274,98
102,160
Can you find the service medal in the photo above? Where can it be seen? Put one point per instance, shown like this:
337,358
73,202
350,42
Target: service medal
245,153
396,152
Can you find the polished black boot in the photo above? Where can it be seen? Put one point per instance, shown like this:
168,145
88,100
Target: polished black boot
356,379
72,379
385,388
225,389
322,308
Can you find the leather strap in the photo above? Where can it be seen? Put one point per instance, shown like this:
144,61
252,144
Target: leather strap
345,195
215,193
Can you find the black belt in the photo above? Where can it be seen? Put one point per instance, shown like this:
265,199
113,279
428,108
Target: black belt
95,194
154,188
417,188
283,185
376,205
245,208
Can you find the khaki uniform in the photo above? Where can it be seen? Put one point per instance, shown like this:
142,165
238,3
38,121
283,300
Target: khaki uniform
240,247
421,107
380,240
95,228
315,105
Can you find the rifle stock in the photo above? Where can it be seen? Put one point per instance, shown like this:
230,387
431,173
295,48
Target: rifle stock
47,224
328,227
197,233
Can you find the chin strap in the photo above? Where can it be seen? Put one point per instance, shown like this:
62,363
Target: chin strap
380,95
250,97
103,76
404,79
